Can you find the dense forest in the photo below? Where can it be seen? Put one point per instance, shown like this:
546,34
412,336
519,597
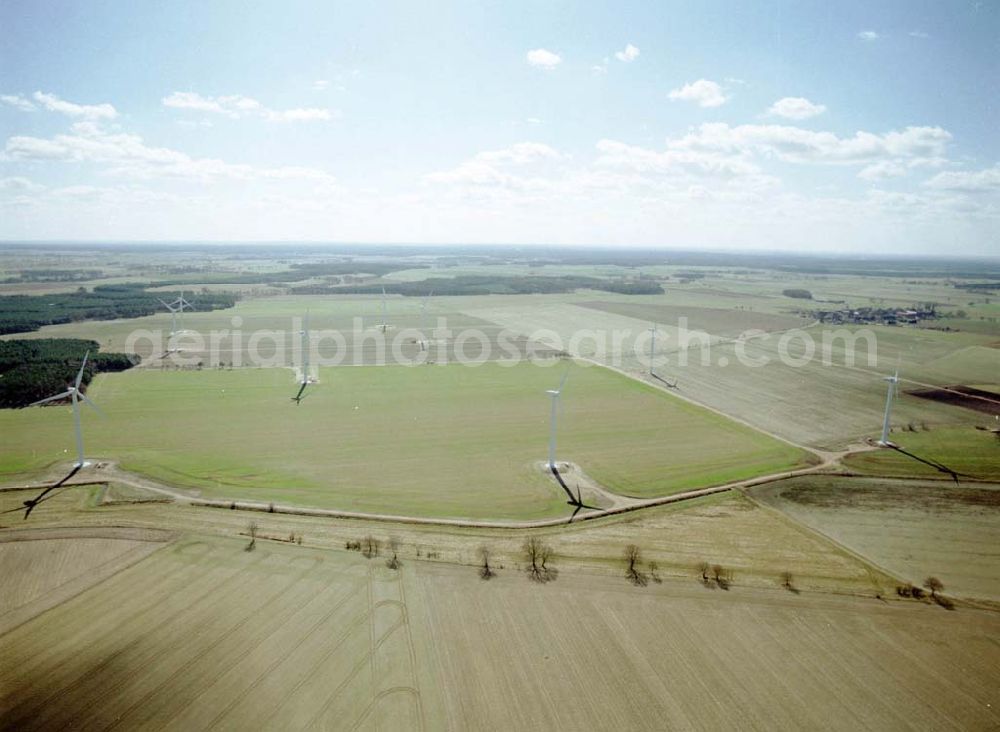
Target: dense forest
487,285
25,313
35,369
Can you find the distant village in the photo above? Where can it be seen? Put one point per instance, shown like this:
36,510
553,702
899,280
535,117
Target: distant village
880,316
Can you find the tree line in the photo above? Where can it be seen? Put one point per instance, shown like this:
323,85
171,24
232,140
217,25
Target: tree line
35,369
25,313
489,285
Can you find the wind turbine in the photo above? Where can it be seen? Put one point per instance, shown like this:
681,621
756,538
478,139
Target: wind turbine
172,307
652,348
554,393
891,391
75,395
181,304
176,306
423,342
383,326
575,500
305,347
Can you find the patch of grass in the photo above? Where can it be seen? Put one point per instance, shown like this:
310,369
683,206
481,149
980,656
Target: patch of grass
428,441
965,450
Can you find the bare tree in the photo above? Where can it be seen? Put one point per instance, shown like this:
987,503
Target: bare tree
934,585
532,548
721,576
633,559
393,562
485,571
653,569
252,533
703,570
369,547
787,583
538,554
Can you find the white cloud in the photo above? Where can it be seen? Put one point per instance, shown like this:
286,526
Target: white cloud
918,34
533,120
237,106
798,145
127,155
672,161
883,170
967,181
18,102
628,55
543,59
320,84
601,68
868,35
498,168
299,115
19,185
706,93
520,153
795,108
86,111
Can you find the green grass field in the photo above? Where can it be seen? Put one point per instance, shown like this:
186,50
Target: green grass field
429,441
966,450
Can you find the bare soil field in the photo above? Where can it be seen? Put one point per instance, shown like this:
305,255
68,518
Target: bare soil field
205,634
913,529
576,654
826,401
724,322
343,328
962,396
754,545
43,567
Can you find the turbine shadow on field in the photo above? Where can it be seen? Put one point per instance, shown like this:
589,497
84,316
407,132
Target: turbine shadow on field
664,381
30,504
940,467
574,500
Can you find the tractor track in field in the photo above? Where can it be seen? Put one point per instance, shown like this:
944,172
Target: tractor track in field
625,504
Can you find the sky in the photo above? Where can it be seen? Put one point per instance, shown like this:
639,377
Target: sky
808,126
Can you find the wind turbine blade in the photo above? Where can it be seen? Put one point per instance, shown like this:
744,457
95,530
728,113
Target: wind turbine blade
51,398
79,376
562,383
166,304
92,405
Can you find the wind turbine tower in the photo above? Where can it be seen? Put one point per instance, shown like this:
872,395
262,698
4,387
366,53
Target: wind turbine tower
383,326
891,391
652,347
176,307
305,347
423,342
75,395
182,303
173,314
554,393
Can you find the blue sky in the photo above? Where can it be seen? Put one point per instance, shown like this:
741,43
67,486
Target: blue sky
802,126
